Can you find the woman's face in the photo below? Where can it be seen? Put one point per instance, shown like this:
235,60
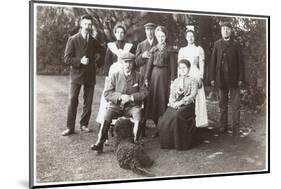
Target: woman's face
119,34
161,37
190,38
183,70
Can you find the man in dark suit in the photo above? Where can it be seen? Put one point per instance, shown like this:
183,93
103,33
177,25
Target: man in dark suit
143,54
227,73
125,93
143,49
80,52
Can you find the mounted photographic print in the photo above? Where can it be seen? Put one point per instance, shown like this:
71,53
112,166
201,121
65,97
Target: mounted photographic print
126,94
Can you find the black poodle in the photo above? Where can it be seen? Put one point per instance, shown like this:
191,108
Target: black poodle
130,155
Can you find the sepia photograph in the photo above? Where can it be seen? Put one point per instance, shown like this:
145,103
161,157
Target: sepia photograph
126,94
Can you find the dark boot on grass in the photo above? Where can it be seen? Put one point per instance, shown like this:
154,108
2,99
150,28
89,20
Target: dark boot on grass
98,147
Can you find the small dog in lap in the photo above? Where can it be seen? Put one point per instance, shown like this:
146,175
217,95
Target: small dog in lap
130,155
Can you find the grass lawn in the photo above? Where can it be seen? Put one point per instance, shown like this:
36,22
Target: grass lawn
70,158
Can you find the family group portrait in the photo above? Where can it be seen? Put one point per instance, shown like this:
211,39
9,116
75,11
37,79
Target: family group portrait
124,93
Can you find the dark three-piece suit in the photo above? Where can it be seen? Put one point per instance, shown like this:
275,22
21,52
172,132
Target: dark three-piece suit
227,69
81,75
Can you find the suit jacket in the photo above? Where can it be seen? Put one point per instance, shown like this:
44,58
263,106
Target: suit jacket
76,48
141,48
229,53
120,84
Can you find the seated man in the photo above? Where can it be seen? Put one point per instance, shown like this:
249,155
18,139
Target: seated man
125,93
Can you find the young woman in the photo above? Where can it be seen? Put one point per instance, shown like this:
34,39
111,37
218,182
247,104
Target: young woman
161,70
195,55
176,126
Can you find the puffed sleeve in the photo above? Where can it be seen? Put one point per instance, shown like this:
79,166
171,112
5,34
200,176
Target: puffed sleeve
173,97
201,55
180,54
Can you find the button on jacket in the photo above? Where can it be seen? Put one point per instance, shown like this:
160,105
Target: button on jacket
227,65
131,85
76,48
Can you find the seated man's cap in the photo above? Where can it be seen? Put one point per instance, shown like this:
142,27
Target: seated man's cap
150,25
127,56
225,23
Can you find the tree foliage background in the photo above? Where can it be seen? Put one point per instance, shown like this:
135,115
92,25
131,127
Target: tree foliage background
56,24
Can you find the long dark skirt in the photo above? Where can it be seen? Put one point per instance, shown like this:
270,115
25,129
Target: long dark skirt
158,98
177,128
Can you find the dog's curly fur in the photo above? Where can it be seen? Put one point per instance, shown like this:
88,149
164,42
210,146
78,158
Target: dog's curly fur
129,155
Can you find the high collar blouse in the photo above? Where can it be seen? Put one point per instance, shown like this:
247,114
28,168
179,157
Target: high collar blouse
184,90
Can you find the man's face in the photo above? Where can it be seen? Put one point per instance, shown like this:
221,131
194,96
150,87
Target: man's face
119,34
86,25
225,32
149,33
127,65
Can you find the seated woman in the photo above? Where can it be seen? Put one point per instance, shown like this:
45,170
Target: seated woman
177,125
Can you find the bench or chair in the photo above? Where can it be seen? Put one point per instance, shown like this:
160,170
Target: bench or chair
141,130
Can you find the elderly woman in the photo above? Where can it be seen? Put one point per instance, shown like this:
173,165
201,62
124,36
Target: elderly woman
176,126
161,70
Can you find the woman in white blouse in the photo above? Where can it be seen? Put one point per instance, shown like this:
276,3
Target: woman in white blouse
196,56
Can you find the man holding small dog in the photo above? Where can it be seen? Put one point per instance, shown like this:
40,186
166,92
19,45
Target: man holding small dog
125,94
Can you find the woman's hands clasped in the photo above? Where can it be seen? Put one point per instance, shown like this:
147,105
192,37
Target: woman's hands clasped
176,105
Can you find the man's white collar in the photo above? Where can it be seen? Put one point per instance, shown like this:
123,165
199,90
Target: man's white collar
150,41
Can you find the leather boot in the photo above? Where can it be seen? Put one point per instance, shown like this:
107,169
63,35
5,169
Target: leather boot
104,135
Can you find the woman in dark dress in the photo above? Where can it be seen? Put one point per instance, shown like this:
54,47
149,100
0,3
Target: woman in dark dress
177,126
161,70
